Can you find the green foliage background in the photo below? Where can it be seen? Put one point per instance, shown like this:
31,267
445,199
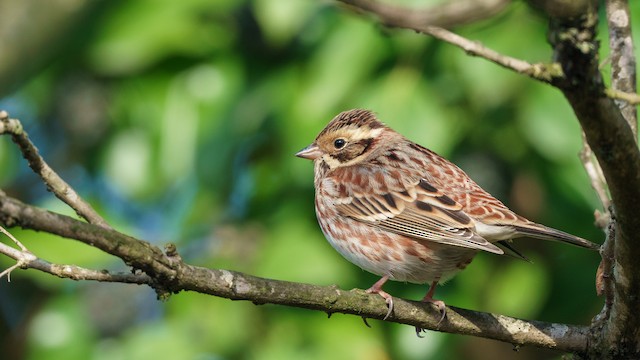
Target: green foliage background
178,120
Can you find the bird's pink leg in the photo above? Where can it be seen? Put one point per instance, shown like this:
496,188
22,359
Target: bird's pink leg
377,289
438,303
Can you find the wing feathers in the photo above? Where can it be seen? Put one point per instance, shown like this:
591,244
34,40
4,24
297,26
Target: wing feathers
419,211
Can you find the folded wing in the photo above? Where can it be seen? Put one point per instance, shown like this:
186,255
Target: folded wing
419,211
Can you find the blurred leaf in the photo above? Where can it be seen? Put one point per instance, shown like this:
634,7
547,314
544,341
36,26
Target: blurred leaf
59,331
519,289
333,70
139,33
549,124
280,20
297,251
404,103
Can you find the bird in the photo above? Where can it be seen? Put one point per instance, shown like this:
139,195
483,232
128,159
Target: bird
400,211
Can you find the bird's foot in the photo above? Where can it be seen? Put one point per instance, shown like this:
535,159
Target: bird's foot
387,298
443,313
377,289
438,303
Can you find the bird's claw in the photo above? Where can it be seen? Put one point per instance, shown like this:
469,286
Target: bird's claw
387,298
364,319
443,313
441,307
389,301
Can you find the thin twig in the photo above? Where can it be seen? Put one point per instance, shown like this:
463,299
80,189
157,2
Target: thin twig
596,177
403,18
53,181
22,256
629,98
8,271
27,260
10,236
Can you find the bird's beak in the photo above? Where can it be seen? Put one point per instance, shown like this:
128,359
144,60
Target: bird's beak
311,152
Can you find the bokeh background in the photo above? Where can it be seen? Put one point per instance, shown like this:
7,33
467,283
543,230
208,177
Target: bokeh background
178,121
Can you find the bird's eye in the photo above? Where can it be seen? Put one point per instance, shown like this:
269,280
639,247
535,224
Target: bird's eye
339,143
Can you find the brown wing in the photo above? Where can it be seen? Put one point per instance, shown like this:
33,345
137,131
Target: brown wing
475,201
418,211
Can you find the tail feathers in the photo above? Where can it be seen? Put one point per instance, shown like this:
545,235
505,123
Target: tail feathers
546,233
513,252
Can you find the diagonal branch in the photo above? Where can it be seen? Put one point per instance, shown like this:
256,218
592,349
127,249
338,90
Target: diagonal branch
27,260
403,18
168,274
54,182
596,177
136,253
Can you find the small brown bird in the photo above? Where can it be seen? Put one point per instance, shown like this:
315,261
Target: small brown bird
401,211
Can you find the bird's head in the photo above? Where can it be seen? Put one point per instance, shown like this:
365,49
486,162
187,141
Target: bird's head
350,138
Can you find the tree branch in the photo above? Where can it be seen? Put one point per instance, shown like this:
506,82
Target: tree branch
403,18
138,254
54,182
330,299
613,142
623,65
167,274
27,260
596,177
630,98
623,60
